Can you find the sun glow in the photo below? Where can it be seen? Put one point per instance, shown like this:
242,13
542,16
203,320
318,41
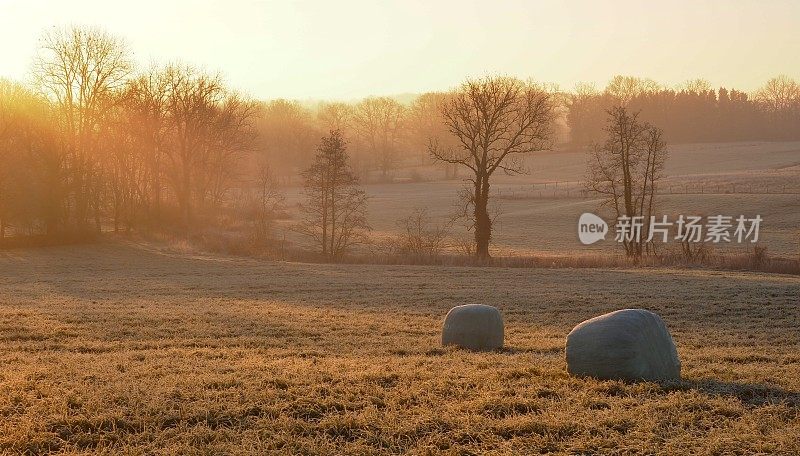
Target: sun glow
351,49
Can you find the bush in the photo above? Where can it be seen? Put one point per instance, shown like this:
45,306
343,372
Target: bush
419,236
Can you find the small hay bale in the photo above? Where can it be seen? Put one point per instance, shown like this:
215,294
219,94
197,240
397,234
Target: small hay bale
629,344
474,327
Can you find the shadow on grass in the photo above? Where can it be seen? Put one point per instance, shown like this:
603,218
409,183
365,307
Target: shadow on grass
537,350
754,394
505,350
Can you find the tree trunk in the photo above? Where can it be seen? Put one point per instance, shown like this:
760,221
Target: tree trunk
483,223
332,250
157,189
186,199
98,226
324,219
116,213
333,197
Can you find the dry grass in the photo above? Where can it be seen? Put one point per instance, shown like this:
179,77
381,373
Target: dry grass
758,259
127,350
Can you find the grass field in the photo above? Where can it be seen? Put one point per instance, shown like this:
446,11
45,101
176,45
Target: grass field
126,349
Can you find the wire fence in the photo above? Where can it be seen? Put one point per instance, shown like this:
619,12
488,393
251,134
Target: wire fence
556,190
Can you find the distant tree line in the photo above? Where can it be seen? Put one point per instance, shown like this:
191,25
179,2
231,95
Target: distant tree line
694,112
383,134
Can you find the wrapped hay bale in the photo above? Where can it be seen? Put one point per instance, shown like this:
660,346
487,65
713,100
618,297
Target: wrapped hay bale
629,344
473,326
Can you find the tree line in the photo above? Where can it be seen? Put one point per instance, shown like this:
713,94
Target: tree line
93,142
694,112
383,134
90,141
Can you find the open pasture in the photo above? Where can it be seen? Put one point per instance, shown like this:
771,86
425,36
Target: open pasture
128,349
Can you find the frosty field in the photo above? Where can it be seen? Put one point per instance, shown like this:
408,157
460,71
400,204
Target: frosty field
127,349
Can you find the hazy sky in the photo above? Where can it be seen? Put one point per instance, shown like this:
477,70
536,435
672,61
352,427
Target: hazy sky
347,49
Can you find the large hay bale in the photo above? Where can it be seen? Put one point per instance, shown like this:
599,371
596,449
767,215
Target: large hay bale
629,344
473,326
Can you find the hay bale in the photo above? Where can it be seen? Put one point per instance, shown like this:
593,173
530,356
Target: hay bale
629,344
473,326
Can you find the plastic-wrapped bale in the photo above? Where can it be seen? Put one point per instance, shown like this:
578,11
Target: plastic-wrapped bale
474,327
629,344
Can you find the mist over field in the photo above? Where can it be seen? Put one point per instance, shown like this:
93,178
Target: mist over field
399,228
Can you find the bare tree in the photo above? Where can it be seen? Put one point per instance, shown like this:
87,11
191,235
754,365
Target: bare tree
230,138
336,116
32,163
419,236
496,120
780,94
286,136
269,201
625,170
145,105
10,95
79,69
582,105
625,88
334,213
426,123
191,102
121,162
379,122
696,86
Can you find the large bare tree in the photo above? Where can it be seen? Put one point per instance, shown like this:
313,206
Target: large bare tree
209,131
497,120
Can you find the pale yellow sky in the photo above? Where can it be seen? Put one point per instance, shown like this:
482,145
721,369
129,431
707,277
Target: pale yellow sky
348,49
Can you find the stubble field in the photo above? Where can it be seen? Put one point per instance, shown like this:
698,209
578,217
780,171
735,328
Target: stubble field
128,349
